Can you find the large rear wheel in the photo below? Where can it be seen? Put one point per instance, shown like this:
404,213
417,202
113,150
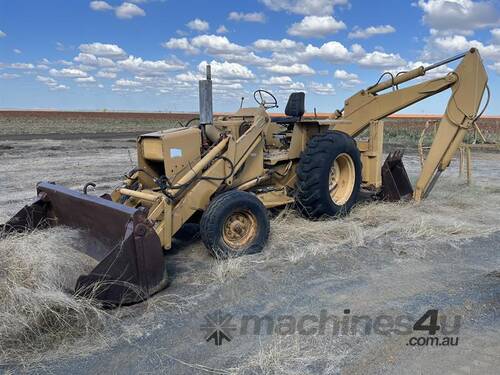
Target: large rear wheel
235,223
329,175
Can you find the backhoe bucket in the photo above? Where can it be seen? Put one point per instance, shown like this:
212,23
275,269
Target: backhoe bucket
395,182
131,265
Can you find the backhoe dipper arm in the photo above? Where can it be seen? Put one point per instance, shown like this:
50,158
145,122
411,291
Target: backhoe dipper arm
468,83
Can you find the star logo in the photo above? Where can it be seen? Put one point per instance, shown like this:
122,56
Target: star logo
218,327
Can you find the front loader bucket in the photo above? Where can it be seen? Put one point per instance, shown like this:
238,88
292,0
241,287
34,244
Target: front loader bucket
395,182
131,265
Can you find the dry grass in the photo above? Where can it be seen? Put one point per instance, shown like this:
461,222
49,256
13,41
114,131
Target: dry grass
39,318
295,355
224,270
452,213
36,312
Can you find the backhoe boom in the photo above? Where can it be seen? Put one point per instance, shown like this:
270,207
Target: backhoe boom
467,82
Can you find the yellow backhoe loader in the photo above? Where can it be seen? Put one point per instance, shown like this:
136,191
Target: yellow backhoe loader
227,171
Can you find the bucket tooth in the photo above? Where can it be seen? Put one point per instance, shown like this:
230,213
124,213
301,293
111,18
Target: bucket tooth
395,182
131,265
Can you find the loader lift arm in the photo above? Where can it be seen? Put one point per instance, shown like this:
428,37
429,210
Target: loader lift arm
467,82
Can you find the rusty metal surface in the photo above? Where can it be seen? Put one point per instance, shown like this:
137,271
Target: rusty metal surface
395,182
131,265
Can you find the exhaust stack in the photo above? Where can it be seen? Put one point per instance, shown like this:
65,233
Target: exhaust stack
206,105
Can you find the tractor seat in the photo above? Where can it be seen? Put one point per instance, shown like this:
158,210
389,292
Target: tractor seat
294,110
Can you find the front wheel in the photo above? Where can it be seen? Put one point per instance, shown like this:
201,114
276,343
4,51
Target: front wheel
329,175
235,223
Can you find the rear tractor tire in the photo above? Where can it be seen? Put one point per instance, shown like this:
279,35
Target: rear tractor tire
328,176
235,223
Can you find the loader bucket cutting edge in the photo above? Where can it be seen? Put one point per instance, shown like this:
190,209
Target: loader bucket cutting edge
395,182
131,265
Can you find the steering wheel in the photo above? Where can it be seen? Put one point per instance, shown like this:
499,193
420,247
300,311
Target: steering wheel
261,94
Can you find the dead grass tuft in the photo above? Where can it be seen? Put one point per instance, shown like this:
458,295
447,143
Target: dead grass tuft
224,270
452,213
294,354
36,312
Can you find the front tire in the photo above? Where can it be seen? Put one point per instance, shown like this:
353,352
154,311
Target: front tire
329,175
235,223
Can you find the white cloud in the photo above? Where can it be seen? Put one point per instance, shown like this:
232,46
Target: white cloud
495,67
189,77
357,51
68,73
222,87
100,6
217,45
279,81
295,69
51,83
2,34
9,76
358,33
284,58
322,88
64,62
379,59
247,17
182,44
106,74
150,68
285,83
459,16
128,10
333,52
47,80
23,66
127,83
448,45
277,45
60,88
316,26
306,7
226,70
104,50
222,29
344,76
91,60
347,79
296,86
198,25
246,58
59,46
17,51
496,35
89,79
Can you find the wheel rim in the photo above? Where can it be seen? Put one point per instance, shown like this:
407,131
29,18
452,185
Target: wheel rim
342,179
240,228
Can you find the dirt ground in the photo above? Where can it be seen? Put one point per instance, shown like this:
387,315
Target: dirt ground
384,259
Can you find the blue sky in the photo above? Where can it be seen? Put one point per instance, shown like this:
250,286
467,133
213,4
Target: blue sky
148,54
